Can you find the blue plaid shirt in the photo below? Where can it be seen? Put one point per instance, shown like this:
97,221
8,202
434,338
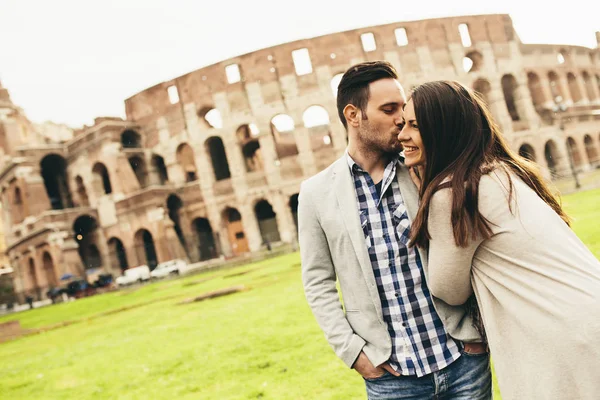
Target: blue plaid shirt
420,344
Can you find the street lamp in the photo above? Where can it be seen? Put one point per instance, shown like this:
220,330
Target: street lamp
560,108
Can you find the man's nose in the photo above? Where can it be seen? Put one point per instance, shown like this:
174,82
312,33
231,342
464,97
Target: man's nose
398,121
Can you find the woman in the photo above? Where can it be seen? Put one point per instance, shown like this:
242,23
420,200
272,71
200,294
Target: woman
493,228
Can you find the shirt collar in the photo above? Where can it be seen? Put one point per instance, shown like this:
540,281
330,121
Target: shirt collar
355,167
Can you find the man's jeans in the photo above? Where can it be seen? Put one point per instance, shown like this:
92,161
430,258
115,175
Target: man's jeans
468,378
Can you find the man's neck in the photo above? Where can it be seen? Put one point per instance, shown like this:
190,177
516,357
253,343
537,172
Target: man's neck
373,162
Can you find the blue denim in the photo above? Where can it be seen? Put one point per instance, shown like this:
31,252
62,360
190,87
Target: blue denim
468,378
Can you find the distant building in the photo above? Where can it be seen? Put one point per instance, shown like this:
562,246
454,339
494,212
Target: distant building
209,164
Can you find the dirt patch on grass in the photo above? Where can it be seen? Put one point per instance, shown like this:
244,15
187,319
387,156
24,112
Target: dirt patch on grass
192,283
237,274
47,328
216,293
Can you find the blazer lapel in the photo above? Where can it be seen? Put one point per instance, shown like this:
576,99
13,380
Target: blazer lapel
346,196
410,196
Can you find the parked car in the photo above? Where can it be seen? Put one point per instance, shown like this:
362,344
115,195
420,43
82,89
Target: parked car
54,293
172,267
79,288
103,281
135,274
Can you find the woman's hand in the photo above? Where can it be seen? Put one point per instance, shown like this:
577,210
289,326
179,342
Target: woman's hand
415,174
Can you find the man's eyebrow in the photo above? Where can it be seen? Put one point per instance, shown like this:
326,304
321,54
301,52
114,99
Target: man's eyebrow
391,103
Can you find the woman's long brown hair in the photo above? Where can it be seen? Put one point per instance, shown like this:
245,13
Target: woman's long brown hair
462,143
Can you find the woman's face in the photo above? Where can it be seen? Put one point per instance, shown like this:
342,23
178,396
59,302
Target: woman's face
410,137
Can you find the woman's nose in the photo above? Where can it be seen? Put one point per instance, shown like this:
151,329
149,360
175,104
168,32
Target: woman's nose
402,134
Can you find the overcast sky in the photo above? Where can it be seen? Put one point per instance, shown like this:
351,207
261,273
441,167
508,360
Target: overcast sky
72,60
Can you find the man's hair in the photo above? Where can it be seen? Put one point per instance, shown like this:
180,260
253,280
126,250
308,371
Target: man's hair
354,86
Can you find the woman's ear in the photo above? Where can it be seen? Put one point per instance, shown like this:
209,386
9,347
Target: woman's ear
352,114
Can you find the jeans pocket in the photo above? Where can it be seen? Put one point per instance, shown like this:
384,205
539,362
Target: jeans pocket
466,353
378,378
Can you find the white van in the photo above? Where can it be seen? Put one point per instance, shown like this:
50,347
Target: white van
171,267
134,274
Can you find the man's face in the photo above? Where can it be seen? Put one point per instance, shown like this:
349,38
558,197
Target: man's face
379,131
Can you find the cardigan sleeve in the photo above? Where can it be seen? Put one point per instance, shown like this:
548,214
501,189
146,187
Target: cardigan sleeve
449,272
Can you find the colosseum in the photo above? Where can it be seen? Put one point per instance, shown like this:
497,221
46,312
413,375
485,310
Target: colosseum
208,165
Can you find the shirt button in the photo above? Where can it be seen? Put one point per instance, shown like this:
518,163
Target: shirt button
397,294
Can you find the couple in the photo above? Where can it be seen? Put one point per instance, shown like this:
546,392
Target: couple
425,243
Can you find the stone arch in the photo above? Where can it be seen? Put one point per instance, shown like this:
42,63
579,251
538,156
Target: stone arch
18,199
527,151
94,258
144,248
186,158
81,192
232,220
552,156
574,152
335,82
101,173
316,120
537,93
130,139
589,86
293,203
576,94
282,128
49,270
205,239
54,173
563,56
246,135
473,61
483,87
590,150
86,234
210,117
18,213
159,167
138,165
35,286
216,149
509,87
117,254
175,208
555,87
267,222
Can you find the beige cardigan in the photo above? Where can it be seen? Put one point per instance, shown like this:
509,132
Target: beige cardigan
537,286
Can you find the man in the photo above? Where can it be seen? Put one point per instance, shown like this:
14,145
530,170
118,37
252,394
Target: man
354,223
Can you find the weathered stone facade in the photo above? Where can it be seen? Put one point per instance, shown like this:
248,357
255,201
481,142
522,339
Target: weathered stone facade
210,163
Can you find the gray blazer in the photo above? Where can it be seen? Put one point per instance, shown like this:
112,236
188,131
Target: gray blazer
333,247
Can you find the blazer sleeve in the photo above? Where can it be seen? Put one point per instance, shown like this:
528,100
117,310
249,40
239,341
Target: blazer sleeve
449,265
319,279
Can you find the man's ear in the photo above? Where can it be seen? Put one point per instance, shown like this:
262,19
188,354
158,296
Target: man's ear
353,115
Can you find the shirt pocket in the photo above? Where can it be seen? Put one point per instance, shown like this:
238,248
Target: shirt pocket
401,224
364,224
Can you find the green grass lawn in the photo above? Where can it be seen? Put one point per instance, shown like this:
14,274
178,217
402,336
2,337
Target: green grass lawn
262,343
